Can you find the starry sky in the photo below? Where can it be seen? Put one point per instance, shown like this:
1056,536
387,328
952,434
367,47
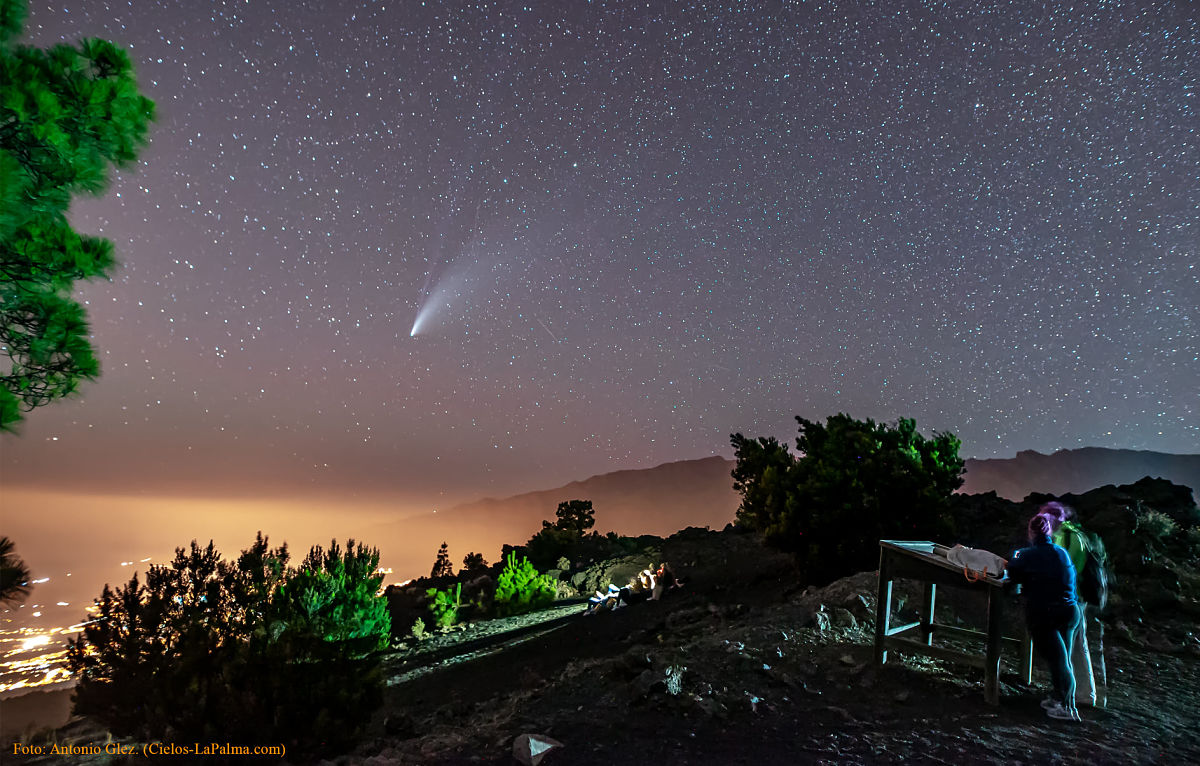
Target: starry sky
434,250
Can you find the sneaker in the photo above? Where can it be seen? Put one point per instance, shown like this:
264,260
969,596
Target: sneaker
1048,703
1061,713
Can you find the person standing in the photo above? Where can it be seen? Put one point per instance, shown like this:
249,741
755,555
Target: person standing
1069,536
1047,577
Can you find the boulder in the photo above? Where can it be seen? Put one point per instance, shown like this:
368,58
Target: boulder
617,571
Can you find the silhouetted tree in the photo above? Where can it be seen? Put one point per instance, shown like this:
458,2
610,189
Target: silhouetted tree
761,476
14,575
441,565
66,115
564,537
575,516
854,483
474,562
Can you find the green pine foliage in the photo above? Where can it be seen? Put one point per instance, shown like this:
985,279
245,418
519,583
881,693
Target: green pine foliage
418,630
67,115
14,575
249,651
520,588
444,605
853,483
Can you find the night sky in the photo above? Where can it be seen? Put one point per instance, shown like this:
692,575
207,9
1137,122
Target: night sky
432,251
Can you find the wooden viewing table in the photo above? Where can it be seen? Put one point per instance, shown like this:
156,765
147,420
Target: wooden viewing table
926,562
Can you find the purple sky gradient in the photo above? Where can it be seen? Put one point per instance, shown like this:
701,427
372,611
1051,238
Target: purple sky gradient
630,229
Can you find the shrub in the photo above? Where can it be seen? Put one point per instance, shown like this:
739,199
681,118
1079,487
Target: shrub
1193,542
520,588
1155,525
855,482
566,537
550,544
444,605
250,651
473,564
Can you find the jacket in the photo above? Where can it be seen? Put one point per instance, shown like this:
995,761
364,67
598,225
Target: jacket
1046,574
1070,537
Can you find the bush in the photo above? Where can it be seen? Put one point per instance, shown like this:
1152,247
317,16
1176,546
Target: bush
1192,538
1155,525
855,482
473,564
546,547
444,604
252,651
520,588
567,537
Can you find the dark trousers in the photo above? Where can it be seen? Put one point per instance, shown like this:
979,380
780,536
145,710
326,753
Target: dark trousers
1053,633
629,596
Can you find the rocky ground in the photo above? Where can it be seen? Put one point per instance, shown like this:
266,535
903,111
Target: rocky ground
741,666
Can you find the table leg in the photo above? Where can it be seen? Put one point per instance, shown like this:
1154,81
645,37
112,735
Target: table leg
930,598
995,632
883,609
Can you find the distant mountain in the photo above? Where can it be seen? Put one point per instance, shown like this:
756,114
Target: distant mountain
699,493
1077,471
658,501
654,501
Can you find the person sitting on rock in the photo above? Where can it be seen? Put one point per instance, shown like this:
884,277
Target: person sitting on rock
614,596
638,590
664,580
598,601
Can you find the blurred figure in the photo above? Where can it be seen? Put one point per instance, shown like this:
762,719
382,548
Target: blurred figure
1069,536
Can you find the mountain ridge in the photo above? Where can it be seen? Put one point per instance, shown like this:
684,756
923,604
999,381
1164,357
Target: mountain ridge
1073,471
699,493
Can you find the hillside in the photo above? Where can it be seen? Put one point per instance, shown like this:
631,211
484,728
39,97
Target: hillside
1077,470
765,672
699,493
745,664
656,501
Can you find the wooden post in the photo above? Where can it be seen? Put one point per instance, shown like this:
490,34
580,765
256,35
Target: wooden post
883,607
995,632
930,598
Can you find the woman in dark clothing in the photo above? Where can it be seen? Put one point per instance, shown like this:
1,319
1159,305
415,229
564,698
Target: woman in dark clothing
1047,577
